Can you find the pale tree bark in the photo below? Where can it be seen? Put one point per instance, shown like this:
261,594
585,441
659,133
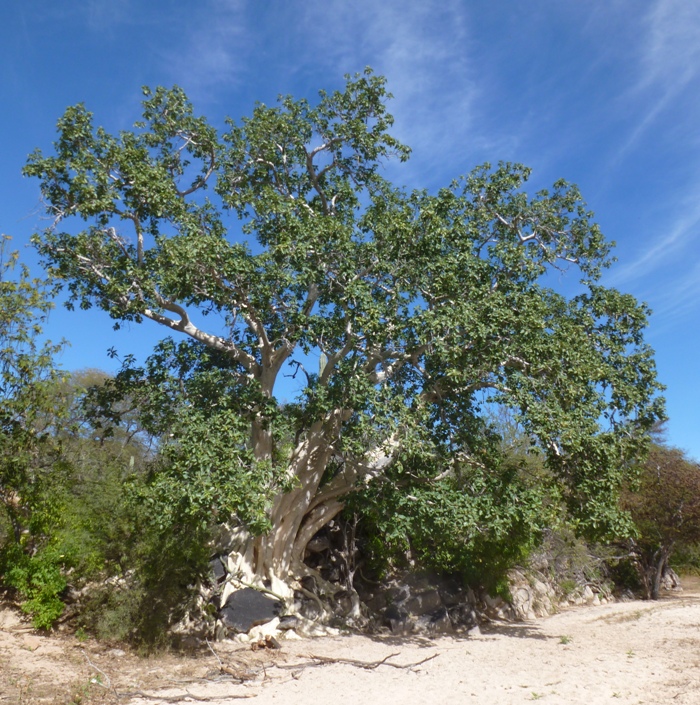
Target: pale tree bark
276,560
295,517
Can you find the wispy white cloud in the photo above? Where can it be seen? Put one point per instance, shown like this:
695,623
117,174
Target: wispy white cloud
664,98
672,49
681,233
424,50
106,15
213,49
677,302
668,61
96,15
649,114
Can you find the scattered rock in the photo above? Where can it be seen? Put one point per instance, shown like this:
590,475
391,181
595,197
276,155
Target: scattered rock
31,642
493,603
318,544
440,622
264,631
309,628
217,569
522,601
424,603
397,620
407,603
289,621
311,609
246,608
266,642
291,635
464,616
343,603
670,580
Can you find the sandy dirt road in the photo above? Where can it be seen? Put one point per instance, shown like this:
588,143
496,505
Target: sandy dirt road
632,652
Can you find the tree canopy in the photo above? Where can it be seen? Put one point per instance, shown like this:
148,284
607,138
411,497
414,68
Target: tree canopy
27,376
280,241
665,506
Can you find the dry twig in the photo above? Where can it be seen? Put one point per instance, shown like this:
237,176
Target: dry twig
367,665
108,685
187,695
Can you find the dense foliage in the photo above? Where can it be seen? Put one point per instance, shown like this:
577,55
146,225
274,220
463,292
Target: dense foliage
665,506
71,487
89,538
27,499
279,243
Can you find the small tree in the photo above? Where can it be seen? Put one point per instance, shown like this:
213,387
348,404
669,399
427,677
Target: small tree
421,307
28,376
665,507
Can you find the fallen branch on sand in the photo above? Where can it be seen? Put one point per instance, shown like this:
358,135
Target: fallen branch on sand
367,665
186,696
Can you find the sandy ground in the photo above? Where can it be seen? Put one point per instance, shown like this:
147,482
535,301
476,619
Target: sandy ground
633,652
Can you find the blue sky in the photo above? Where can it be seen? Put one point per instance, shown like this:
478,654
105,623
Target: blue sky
604,93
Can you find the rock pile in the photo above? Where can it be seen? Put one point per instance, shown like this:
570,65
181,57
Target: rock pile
231,607
420,604
405,604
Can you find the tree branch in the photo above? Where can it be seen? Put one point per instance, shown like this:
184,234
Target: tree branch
184,325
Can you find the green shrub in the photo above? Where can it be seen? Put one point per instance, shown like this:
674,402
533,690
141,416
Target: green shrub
478,524
156,590
39,579
572,562
686,559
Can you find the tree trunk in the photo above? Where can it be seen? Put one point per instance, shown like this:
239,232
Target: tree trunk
276,560
658,571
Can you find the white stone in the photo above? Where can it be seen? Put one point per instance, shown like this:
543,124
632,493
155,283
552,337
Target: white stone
281,588
493,602
522,603
263,630
227,592
291,635
544,607
540,588
309,628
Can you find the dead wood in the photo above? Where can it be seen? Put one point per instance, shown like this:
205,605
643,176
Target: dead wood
186,696
367,665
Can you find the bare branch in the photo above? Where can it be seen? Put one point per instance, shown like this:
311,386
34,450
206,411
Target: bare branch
335,358
184,325
367,665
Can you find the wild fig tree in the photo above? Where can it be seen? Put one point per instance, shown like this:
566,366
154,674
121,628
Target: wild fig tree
280,242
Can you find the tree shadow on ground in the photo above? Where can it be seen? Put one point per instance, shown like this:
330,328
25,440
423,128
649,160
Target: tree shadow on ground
518,630
421,640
